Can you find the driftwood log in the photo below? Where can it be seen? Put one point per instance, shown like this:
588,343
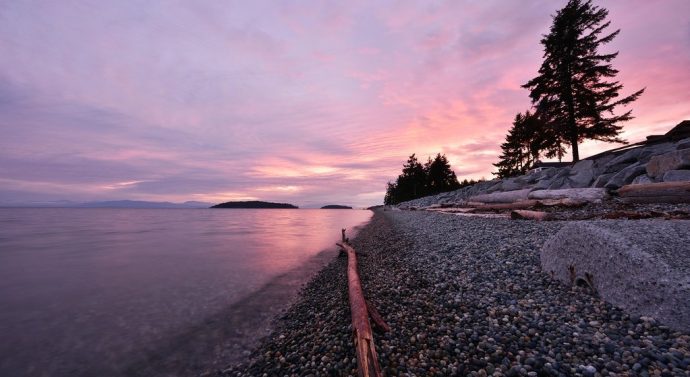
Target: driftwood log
662,192
367,360
529,215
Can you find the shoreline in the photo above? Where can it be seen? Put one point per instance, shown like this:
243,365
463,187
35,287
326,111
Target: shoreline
475,303
228,336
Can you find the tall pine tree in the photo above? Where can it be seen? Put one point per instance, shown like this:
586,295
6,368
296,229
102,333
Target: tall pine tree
573,92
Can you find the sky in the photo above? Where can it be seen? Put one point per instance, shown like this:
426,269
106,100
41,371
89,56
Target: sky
306,102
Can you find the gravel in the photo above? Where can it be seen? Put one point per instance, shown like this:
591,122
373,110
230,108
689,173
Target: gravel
463,296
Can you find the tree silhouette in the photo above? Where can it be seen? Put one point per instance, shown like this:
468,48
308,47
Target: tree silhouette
571,92
439,176
417,180
527,139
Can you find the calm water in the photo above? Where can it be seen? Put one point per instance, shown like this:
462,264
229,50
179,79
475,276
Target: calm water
150,292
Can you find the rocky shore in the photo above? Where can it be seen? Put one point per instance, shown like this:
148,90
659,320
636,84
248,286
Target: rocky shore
464,296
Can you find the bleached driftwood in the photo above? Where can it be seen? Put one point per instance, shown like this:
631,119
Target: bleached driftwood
367,360
529,215
662,192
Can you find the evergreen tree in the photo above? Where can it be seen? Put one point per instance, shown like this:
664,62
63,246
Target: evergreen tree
439,176
390,194
571,91
525,142
417,180
411,183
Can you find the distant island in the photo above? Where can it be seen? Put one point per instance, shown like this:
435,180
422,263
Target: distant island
335,206
253,204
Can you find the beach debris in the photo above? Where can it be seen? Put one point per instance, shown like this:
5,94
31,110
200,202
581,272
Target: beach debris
376,317
367,359
522,214
661,192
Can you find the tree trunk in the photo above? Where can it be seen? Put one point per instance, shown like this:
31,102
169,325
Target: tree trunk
570,102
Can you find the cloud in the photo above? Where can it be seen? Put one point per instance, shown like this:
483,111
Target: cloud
310,103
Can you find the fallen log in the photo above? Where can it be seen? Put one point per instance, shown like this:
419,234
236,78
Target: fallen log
522,204
662,192
376,317
589,194
566,202
367,360
529,215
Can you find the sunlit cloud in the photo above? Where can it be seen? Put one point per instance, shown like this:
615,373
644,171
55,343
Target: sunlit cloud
121,185
285,189
311,103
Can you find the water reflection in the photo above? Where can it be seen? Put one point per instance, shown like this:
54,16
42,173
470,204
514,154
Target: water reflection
84,289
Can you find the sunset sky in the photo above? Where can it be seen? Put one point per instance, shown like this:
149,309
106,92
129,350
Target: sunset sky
307,102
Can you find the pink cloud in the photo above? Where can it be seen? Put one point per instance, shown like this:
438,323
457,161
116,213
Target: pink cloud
310,103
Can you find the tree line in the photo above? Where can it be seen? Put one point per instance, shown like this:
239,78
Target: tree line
573,99
418,180
573,96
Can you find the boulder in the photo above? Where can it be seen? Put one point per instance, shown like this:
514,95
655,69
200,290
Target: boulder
602,179
677,176
581,175
496,187
658,165
617,168
683,144
626,158
546,173
625,176
559,183
584,194
600,163
513,184
640,266
642,179
543,184
654,150
501,197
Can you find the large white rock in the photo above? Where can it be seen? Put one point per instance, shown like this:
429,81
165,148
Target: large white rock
640,266
589,194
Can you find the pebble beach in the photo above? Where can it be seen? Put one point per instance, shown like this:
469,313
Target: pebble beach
463,296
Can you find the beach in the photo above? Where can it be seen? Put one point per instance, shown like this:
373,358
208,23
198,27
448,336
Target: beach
463,296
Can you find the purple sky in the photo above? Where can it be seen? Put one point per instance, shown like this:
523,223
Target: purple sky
305,102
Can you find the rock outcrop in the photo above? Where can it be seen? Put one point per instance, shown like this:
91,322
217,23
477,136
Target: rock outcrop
661,158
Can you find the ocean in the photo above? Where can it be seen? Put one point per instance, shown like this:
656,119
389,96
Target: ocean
127,292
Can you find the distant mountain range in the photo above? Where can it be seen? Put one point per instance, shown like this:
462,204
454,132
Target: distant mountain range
108,204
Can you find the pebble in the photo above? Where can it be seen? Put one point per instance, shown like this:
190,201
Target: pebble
463,296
